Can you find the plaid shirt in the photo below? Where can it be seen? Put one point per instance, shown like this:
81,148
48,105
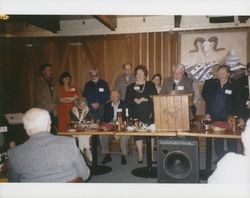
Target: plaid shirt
121,84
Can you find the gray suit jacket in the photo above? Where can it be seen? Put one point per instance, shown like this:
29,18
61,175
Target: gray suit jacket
185,86
46,158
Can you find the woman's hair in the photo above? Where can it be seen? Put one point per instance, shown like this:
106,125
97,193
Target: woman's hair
64,75
157,75
143,68
80,100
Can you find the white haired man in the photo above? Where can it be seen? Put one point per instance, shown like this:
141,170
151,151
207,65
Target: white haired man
178,83
45,157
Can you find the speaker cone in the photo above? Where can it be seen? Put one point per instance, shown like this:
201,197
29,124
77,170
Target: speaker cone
177,164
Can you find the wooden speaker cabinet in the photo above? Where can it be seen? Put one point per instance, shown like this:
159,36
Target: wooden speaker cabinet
171,112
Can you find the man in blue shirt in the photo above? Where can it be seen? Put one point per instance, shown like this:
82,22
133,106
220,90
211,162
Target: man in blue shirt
222,97
97,93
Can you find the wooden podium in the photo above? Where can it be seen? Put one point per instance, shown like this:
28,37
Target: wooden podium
171,112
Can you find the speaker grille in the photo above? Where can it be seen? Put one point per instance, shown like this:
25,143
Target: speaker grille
177,164
178,160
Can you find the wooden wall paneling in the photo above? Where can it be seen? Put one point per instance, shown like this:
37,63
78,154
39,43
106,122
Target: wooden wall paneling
166,55
161,52
104,66
117,53
174,48
147,52
151,55
21,65
130,49
15,96
73,62
158,43
136,49
144,48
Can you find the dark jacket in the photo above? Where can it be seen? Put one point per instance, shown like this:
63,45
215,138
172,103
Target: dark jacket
109,111
222,102
96,92
243,82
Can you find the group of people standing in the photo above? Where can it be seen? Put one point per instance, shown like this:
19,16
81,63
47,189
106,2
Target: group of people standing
132,91
222,96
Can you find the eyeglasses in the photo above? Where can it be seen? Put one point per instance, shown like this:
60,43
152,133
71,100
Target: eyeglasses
93,75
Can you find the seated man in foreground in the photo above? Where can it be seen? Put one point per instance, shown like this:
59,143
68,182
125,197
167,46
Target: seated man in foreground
45,157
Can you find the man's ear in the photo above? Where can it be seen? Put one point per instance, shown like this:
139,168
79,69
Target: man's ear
173,68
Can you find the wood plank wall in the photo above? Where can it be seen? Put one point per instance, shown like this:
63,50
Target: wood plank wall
20,64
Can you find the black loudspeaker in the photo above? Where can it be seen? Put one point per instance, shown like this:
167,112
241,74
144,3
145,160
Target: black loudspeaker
178,160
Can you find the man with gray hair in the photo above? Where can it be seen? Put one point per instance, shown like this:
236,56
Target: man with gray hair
97,93
125,79
178,83
45,157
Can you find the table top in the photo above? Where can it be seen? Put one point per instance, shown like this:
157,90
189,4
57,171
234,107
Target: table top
193,132
229,134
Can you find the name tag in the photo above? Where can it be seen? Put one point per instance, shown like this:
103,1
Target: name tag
180,88
136,88
101,89
72,89
227,91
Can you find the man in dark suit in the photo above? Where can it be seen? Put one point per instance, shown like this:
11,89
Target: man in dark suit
245,84
97,93
110,115
45,157
222,98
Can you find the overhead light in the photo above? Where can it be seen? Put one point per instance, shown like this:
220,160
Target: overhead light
4,17
76,44
28,45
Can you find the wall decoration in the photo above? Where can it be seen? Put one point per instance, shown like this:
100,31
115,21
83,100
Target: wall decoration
201,53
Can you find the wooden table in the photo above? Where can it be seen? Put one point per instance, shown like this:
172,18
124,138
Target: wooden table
209,135
149,171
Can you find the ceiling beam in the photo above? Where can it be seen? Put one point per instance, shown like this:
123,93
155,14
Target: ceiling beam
108,21
243,19
47,22
177,21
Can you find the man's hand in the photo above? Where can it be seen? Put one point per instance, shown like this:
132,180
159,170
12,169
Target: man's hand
172,92
208,117
137,101
248,104
241,122
144,99
95,105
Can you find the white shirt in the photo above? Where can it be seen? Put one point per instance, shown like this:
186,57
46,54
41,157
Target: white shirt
115,106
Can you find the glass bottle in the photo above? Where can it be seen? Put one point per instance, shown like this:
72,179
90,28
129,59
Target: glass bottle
119,119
